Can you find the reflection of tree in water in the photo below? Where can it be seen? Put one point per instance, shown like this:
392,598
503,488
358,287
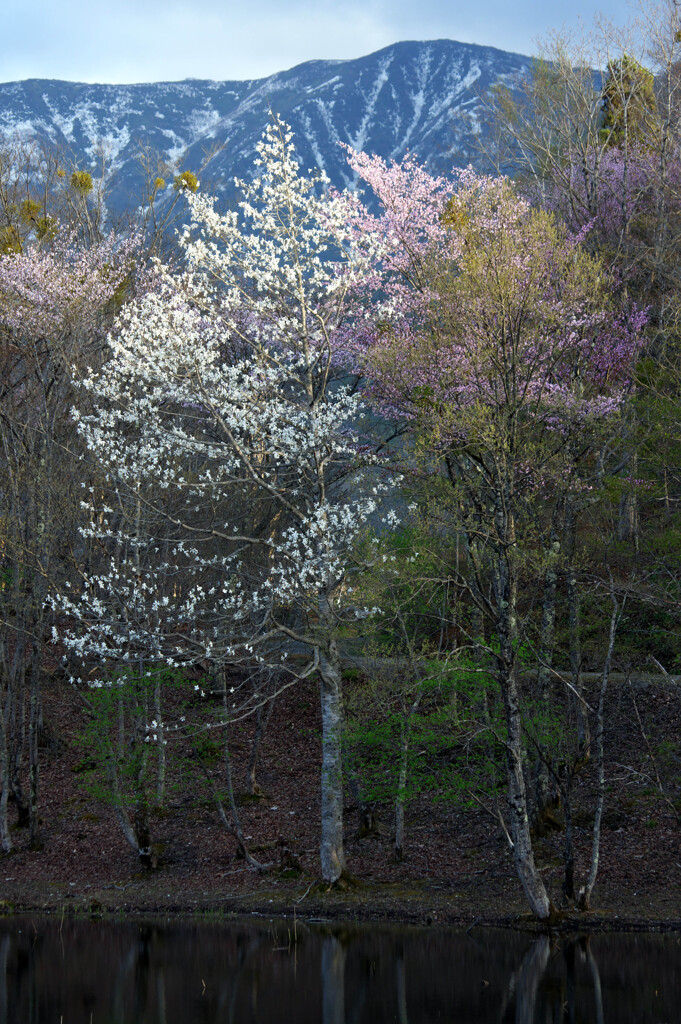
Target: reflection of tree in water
248,949
161,994
241,982
577,951
153,974
528,977
569,955
524,983
125,968
553,999
402,1015
137,972
144,941
333,980
4,953
596,978
341,1006
334,995
530,995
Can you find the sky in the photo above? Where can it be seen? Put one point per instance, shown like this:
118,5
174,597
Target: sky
167,40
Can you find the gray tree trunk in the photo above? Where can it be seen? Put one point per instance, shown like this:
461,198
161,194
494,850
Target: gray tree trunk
523,854
141,801
161,747
119,806
546,645
16,725
5,839
332,854
583,738
505,598
33,762
261,723
568,848
400,799
586,892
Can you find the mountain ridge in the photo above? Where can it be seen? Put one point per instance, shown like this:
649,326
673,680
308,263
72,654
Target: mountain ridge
423,97
247,81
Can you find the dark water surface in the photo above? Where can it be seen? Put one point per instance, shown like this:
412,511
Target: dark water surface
96,972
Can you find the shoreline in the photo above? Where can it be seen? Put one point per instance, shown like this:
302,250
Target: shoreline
364,906
456,869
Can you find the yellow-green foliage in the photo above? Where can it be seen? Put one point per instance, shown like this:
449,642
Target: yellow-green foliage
186,180
29,210
10,240
455,216
45,227
629,106
81,182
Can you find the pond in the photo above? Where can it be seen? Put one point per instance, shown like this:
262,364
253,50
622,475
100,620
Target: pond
68,971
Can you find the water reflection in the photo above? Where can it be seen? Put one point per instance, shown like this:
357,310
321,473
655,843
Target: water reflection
400,978
154,973
333,980
538,996
524,983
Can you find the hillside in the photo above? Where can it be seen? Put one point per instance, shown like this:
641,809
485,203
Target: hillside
456,865
424,97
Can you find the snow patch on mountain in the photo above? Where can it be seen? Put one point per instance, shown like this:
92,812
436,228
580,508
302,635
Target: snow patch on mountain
424,97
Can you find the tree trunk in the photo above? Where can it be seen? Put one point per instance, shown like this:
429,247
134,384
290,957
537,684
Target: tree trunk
141,802
628,521
261,723
575,695
505,598
332,855
233,827
16,723
530,878
33,730
400,799
119,806
401,787
546,644
367,822
5,839
568,849
139,754
161,752
627,526
585,895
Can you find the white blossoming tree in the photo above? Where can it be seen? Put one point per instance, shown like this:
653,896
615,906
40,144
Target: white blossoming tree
224,428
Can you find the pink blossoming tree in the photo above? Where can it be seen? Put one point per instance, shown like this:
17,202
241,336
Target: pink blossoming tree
496,339
56,299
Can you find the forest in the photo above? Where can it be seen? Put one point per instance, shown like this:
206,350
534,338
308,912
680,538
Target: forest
412,449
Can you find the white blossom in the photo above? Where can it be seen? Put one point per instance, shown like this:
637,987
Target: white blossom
223,388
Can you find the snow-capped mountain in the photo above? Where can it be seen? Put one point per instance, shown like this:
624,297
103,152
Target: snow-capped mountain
417,96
